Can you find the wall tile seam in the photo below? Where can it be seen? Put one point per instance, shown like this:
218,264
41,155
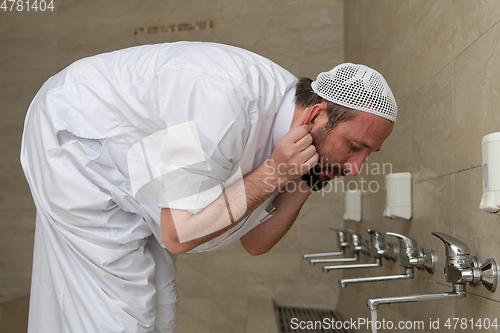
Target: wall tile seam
451,61
481,296
447,174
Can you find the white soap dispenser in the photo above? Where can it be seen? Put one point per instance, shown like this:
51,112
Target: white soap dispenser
398,200
491,173
353,205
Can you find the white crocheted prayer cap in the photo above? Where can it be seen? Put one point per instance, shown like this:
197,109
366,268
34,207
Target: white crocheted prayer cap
358,87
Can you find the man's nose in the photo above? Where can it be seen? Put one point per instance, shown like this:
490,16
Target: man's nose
355,163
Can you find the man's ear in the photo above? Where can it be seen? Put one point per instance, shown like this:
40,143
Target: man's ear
312,113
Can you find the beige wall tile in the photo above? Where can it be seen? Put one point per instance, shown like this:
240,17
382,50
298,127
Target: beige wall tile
489,11
466,21
193,274
475,227
17,228
397,149
229,314
14,318
372,33
280,40
449,105
13,285
317,289
157,12
243,8
19,65
476,308
432,35
432,310
261,315
16,23
440,30
75,47
353,45
314,235
76,17
242,32
14,191
206,35
433,210
10,138
195,315
396,48
239,274
432,128
321,27
476,84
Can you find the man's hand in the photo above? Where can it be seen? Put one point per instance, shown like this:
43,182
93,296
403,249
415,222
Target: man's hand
293,154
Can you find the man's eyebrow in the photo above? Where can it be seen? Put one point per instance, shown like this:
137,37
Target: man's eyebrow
365,145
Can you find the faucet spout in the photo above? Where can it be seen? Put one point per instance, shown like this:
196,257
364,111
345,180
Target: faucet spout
458,292
320,255
377,263
409,274
324,261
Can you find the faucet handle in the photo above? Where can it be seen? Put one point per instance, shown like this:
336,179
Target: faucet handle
455,249
376,239
378,247
355,241
463,268
489,274
408,253
373,232
406,242
341,237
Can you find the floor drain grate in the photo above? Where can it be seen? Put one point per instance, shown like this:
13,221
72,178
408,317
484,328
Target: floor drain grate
306,320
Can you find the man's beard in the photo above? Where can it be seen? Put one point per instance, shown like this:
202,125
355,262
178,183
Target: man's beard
317,177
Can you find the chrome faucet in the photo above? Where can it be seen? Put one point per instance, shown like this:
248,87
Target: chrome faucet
460,269
377,249
409,257
342,242
355,247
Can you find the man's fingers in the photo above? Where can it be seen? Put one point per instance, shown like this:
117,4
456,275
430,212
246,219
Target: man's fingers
307,156
307,153
304,142
311,162
297,133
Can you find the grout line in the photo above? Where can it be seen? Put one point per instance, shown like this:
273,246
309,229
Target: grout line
448,174
412,92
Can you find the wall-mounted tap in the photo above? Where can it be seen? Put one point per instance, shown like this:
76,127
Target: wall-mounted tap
377,249
460,269
463,268
409,257
355,244
341,241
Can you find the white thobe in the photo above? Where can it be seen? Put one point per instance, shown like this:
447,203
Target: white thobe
99,261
